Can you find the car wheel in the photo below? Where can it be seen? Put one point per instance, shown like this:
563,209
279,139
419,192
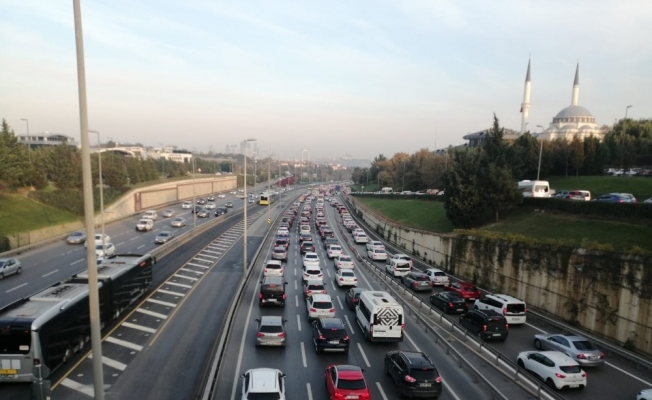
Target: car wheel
520,364
2,276
537,344
19,270
551,384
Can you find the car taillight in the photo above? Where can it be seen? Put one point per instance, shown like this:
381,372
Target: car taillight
416,284
321,337
410,379
504,311
341,279
402,326
283,296
282,334
451,304
581,356
345,337
312,310
583,374
560,376
355,279
484,328
331,310
37,362
439,380
260,334
260,295
323,291
601,355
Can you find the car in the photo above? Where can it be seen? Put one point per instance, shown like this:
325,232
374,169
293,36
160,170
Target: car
320,305
312,272
352,297
333,251
616,198
272,291
250,201
554,368
346,382
280,253
360,238
403,257
196,209
210,206
145,225
437,276
417,281
228,204
186,205
151,214
282,242
329,241
202,213
375,244
512,308
344,261
233,192
271,331
178,222
210,198
76,238
9,266
330,335
645,394
310,259
273,268
104,250
263,383
221,211
345,277
576,347
648,201
168,213
99,239
163,237
485,324
221,196
377,254
201,201
313,286
449,302
414,373
466,289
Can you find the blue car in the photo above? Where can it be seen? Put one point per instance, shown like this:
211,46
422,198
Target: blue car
617,198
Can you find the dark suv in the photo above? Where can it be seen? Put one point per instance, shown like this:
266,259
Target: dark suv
414,374
272,291
485,324
329,334
307,247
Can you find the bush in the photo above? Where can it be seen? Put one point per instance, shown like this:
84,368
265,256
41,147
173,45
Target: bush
69,200
614,211
4,244
425,197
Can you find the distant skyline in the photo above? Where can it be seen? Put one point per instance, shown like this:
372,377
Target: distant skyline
360,78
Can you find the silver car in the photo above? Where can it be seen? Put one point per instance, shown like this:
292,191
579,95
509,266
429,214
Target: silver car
417,281
271,331
76,238
163,237
178,222
9,266
578,348
168,213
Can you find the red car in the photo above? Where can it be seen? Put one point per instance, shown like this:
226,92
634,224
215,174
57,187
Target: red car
346,382
465,289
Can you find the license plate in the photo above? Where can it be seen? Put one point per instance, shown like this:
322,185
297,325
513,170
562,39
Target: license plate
516,319
352,397
459,309
425,384
8,371
471,298
271,300
334,342
574,385
593,357
496,334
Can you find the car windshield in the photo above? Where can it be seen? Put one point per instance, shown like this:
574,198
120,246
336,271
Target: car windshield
571,369
164,234
76,234
420,277
440,274
424,374
315,287
347,274
584,345
469,288
271,328
311,256
353,384
273,266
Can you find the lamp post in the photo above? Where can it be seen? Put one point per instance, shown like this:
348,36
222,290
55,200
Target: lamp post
29,140
99,173
403,187
540,151
194,204
269,189
625,121
162,160
244,238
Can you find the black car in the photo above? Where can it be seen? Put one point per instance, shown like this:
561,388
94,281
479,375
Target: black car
201,201
328,241
329,334
353,296
449,302
272,291
211,198
307,247
196,209
221,211
228,204
415,375
486,324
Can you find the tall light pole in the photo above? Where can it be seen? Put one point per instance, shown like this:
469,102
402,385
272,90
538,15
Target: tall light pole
540,150
244,238
625,121
269,189
403,187
89,212
99,173
162,160
194,204
29,141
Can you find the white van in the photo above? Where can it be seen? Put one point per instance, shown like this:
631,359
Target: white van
535,188
514,310
380,317
151,214
387,190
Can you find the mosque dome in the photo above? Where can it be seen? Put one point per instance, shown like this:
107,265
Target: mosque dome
574,114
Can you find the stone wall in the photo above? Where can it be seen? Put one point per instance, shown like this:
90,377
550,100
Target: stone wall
609,294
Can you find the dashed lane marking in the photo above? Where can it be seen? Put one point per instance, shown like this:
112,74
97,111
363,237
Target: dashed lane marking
178,284
152,313
185,277
124,343
189,270
163,303
138,327
87,390
170,292
197,265
111,362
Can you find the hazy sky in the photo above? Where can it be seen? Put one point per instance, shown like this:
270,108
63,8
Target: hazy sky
335,77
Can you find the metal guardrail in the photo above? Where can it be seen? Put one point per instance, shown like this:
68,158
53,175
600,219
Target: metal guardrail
609,347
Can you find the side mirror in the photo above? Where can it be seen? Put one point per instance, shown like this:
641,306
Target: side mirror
363,370
242,376
257,319
261,281
283,376
285,283
285,320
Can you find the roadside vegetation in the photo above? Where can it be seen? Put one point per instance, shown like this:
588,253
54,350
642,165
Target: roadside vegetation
21,214
640,187
425,215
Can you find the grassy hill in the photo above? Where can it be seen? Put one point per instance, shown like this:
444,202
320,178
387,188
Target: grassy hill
640,187
21,214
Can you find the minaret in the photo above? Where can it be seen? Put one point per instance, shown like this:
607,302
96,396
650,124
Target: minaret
525,106
576,87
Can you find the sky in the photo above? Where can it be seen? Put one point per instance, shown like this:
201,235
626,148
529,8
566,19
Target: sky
358,78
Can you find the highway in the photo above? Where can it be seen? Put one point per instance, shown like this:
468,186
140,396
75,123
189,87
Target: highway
616,379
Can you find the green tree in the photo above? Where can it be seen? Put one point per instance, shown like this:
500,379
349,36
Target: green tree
63,166
577,154
15,168
462,199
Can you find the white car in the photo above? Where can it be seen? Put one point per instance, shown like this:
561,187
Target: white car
98,239
221,195
283,231
178,222
9,266
210,206
263,383
401,256
186,205
437,276
377,254
104,250
344,261
273,268
311,259
360,238
645,394
375,244
145,224
648,201
320,306
357,231
554,368
334,250
312,272
151,214
345,277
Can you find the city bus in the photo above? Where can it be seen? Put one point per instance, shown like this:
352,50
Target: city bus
267,198
43,331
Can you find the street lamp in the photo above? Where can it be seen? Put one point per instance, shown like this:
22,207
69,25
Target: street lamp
244,241
540,151
99,173
403,187
269,188
160,155
625,122
194,205
29,140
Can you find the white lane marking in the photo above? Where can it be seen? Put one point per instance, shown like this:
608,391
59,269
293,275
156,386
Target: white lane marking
210,251
17,287
339,301
349,324
295,285
124,343
303,355
170,292
138,327
77,262
152,313
134,238
364,356
414,345
194,272
309,388
111,362
180,284
140,247
299,322
295,272
163,303
382,392
197,258
538,329
197,265
333,283
328,272
121,243
50,273
87,390
296,300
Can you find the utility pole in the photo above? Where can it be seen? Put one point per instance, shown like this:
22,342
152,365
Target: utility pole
29,141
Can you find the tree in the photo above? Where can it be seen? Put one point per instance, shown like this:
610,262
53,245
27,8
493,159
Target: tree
15,169
462,199
577,154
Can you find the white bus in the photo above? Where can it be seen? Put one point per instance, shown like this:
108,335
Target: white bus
535,188
380,317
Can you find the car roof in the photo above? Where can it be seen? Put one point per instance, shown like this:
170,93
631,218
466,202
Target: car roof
314,282
278,280
311,253
349,372
433,270
274,262
263,380
332,323
417,359
271,320
558,357
321,297
505,297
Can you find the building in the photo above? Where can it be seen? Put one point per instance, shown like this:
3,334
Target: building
476,139
46,139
